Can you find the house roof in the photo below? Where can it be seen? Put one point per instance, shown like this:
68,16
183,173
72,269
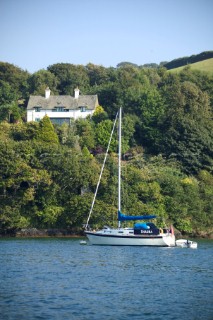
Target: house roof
68,102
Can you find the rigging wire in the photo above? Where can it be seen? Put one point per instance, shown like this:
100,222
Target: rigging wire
102,169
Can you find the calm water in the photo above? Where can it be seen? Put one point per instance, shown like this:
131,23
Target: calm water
61,279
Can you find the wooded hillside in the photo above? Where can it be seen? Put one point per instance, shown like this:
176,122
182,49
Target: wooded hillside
49,173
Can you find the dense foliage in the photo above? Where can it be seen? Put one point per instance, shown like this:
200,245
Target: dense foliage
49,173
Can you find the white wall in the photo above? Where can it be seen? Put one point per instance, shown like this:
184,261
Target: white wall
32,115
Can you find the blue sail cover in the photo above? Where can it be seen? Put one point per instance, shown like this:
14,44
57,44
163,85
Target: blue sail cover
123,217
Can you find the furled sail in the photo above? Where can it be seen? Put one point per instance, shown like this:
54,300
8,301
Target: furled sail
123,217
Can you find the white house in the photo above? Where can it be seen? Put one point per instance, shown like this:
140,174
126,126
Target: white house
61,109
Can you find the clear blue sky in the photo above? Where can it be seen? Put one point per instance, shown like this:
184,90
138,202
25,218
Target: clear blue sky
37,33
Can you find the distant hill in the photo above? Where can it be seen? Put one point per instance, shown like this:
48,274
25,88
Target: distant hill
205,65
188,60
201,61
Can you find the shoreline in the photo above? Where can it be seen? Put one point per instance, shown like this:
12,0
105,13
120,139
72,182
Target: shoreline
76,233
42,233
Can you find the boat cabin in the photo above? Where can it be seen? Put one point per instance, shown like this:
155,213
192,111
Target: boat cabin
146,228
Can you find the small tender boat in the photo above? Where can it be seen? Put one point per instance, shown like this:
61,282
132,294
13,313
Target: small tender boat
185,243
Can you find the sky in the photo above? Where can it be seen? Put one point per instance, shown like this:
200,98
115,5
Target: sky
35,34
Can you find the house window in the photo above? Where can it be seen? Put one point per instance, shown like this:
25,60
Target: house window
58,109
83,109
60,121
37,109
37,119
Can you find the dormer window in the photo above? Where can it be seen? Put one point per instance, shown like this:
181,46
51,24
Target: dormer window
83,109
37,109
58,109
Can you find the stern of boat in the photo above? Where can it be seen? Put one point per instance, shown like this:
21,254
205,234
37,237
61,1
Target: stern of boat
169,240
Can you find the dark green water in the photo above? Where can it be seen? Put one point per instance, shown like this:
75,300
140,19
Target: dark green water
61,279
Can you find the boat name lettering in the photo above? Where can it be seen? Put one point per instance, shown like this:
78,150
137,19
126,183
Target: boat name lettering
146,231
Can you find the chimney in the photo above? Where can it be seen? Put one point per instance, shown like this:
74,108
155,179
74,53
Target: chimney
47,93
76,93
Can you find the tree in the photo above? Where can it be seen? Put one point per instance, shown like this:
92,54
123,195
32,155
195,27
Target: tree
205,180
10,112
126,64
108,96
103,131
16,78
186,127
7,93
20,183
99,115
97,74
46,131
85,131
42,79
150,110
70,77
128,130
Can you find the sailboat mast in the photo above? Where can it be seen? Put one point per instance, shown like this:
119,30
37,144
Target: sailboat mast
119,165
102,169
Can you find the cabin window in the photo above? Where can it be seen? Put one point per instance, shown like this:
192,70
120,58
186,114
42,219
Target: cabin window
120,232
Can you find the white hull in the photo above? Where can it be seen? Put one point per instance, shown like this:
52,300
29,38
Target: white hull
183,243
126,239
